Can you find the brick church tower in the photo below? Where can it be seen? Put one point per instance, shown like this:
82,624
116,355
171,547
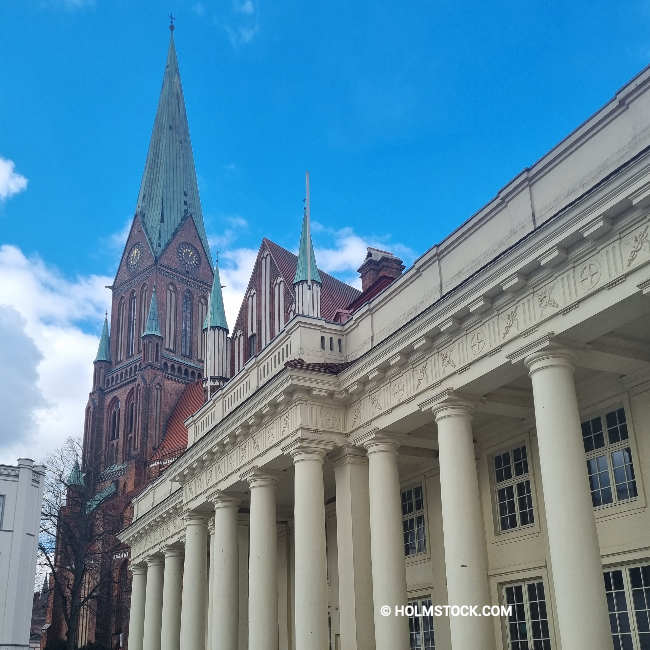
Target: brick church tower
148,375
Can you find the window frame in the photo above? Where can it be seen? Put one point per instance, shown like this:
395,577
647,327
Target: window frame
419,601
514,442
524,580
426,553
600,408
629,596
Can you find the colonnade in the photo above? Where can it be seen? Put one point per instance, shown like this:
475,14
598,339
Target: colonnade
168,609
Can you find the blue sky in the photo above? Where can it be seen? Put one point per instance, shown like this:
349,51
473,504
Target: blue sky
409,116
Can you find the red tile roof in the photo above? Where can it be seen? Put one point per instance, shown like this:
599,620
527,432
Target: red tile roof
174,441
334,293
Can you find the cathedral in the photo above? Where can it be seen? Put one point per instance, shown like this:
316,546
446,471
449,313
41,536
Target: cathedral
166,347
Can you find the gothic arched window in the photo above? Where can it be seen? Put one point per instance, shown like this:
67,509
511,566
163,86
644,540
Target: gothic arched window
120,330
144,311
157,414
203,312
130,422
186,331
170,321
130,332
114,420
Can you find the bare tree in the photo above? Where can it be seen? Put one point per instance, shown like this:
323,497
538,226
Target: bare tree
78,525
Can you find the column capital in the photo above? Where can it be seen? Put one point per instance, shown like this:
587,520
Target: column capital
155,560
221,499
551,357
139,569
173,550
380,443
454,404
306,449
193,518
348,455
259,478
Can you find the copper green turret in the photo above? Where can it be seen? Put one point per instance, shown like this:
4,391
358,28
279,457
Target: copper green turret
301,269
104,351
152,328
169,192
216,312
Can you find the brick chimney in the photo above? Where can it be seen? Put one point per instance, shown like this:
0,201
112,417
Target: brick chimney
379,264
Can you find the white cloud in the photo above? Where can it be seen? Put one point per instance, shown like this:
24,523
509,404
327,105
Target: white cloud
118,239
54,312
10,181
349,251
241,35
229,234
235,268
246,7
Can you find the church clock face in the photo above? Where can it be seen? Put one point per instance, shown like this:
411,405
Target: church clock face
135,257
189,256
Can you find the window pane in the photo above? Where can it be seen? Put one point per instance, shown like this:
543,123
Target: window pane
521,461
427,628
525,503
409,536
421,627
407,502
619,620
507,515
502,468
624,474
419,500
601,490
517,629
640,580
420,534
538,616
616,426
592,434
415,631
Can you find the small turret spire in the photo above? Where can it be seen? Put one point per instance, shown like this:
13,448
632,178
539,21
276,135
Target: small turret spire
76,477
104,351
152,328
216,312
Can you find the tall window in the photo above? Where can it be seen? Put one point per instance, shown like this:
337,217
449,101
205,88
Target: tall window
252,345
131,334
114,420
144,312
157,414
609,458
186,330
119,352
279,305
203,312
170,320
2,509
252,321
512,481
629,587
421,626
528,620
413,522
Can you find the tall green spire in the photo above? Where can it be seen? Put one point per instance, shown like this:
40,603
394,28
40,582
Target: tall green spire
169,192
216,313
153,322
76,477
104,351
301,269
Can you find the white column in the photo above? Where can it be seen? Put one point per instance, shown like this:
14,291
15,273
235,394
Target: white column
577,568
193,611
138,599
310,618
462,525
262,571
153,604
224,565
170,631
209,600
353,541
387,545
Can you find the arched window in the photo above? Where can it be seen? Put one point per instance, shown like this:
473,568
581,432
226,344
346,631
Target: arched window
144,312
130,331
265,330
186,330
87,428
170,321
279,305
130,422
119,352
157,414
203,312
114,420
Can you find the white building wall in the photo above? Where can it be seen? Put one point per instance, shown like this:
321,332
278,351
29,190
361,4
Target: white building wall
21,489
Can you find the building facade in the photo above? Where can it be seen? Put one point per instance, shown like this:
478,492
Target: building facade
475,434
21,493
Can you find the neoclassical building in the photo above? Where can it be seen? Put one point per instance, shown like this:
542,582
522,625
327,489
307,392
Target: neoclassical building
472,431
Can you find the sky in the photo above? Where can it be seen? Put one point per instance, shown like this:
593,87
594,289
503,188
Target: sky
409,116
